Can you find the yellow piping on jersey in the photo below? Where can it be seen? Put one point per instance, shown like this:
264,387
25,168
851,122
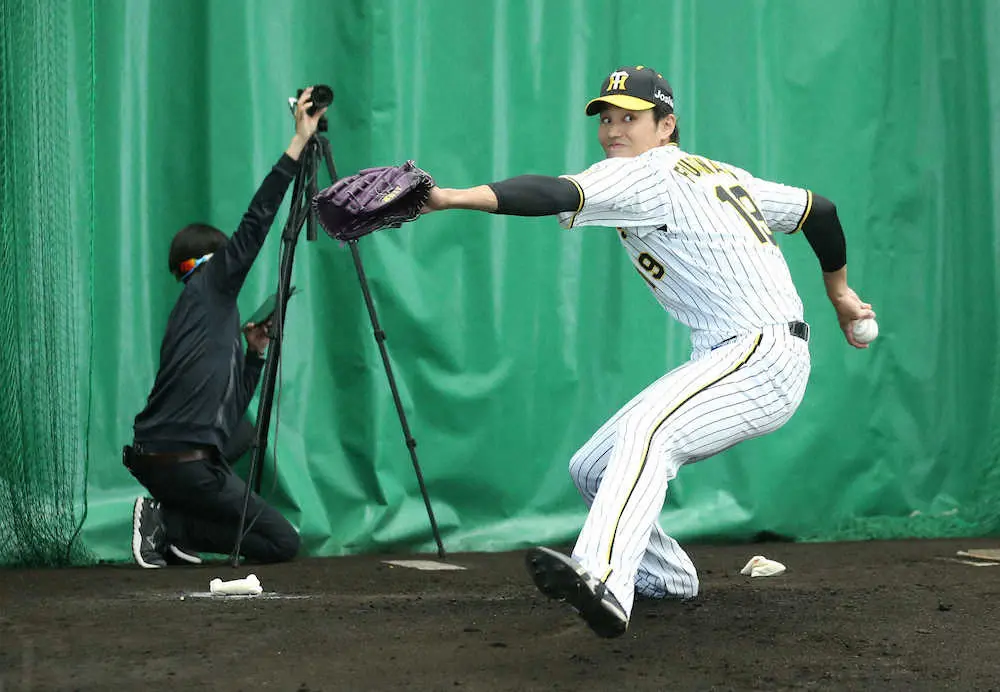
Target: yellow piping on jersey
580,206
805,214
649,440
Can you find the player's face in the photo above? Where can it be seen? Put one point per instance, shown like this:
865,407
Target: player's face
630,133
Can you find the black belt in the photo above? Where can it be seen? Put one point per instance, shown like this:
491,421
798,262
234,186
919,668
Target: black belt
131,457
797,329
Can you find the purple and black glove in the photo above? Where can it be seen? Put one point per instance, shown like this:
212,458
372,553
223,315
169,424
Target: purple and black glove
372,199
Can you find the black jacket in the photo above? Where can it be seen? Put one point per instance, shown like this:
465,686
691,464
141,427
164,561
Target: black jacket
205,382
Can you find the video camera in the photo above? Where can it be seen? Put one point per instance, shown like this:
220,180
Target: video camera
322,96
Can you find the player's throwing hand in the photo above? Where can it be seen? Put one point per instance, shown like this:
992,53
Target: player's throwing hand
850,308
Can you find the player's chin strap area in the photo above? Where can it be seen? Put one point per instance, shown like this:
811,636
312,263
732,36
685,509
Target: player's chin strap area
797,329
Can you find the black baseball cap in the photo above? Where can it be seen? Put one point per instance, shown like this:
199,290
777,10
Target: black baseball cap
636,88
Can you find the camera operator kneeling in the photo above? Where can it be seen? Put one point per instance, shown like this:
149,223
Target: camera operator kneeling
203,387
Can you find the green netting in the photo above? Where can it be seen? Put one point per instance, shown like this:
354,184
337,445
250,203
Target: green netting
44,275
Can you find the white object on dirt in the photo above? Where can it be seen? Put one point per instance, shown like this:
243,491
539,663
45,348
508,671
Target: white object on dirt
236,587
760,566
992,554
425,565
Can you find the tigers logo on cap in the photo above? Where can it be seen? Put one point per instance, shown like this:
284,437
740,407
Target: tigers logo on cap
636,88
616,82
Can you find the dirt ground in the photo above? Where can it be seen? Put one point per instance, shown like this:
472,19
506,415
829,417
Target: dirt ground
873,616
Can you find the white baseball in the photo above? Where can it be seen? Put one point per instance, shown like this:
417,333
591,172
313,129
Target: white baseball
865,330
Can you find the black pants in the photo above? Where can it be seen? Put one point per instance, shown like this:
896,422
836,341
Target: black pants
202,502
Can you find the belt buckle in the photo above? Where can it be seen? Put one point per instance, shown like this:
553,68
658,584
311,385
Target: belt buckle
799,329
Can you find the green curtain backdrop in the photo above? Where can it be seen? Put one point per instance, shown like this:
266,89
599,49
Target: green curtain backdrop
511,340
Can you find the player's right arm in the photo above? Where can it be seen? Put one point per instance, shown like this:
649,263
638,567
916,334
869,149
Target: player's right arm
791,209
784,207
821,227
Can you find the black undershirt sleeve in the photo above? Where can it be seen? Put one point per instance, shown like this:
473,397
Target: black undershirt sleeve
536,195
825,235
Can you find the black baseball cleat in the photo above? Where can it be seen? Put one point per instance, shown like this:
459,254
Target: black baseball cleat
561,577
149,535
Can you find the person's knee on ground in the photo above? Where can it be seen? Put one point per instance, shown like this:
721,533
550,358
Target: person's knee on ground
279,546
288,547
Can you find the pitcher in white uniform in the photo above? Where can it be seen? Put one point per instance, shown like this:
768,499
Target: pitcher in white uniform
701,235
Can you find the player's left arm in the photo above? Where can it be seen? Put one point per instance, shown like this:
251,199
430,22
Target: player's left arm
611,193
524,195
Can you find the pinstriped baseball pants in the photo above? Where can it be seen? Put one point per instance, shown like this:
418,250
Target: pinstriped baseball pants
744,389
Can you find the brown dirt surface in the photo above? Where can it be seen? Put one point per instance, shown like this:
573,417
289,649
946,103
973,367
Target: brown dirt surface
865,615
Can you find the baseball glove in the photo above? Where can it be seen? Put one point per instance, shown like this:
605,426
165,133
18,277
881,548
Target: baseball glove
372,199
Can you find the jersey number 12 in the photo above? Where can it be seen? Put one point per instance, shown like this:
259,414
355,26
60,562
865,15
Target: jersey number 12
743,203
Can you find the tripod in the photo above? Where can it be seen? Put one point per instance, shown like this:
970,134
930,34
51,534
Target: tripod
300,212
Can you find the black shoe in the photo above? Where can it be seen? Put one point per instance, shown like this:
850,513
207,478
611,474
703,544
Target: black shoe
180,555
149,535
561,577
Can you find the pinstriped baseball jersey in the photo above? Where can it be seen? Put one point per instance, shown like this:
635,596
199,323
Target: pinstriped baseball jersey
700,232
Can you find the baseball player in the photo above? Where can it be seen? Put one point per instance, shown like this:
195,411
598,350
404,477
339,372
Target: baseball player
701,235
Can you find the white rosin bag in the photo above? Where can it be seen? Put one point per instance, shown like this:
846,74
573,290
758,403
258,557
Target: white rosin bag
760,566
249,586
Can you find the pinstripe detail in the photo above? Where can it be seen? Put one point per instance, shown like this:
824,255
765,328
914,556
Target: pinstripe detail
805,214
718,280
582,199
649,441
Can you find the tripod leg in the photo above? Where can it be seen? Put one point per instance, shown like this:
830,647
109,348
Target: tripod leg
411,444
296,217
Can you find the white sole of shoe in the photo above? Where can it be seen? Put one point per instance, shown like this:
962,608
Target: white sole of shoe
191,558
137,537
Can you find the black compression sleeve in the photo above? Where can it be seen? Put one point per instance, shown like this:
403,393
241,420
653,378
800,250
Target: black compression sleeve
826,236
536,195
